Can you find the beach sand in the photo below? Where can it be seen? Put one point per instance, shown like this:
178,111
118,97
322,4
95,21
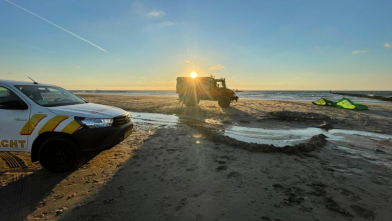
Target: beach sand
190,172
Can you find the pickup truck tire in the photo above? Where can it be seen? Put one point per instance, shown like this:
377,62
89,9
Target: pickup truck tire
59,154
224,102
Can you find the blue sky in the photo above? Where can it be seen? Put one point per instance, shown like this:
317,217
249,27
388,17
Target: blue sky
255,45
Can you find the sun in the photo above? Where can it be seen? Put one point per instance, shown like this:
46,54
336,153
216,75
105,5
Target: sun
193,75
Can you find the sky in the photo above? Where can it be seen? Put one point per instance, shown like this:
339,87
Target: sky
146,45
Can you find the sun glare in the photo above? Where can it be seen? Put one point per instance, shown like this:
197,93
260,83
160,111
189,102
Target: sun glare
193,75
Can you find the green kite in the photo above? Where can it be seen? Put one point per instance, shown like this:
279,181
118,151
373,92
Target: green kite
342,103
349,104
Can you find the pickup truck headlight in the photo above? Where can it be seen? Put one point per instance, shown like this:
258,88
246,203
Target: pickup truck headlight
94,122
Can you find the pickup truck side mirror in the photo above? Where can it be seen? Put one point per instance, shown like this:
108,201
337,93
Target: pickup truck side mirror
13,105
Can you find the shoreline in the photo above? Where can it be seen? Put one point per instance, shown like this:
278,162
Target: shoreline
370,101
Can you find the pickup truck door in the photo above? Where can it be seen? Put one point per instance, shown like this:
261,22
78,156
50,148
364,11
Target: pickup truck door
14,115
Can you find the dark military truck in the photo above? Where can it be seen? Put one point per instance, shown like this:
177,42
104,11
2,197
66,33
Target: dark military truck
191,90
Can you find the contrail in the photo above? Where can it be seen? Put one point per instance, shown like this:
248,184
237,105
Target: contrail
58,26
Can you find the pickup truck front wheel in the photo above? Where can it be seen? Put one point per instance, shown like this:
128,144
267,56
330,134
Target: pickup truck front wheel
224,102
59,154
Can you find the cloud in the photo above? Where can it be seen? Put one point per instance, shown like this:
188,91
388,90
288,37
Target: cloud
156,14
188,61
218,66
387,45
57,26
165,24
10,72
77,67
359,51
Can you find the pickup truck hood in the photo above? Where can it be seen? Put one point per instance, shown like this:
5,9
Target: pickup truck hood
89,110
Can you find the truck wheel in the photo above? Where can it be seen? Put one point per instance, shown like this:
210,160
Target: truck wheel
224,102
59,154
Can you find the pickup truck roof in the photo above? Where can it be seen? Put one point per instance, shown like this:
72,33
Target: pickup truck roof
12,83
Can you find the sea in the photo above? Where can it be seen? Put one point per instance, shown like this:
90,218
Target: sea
259,95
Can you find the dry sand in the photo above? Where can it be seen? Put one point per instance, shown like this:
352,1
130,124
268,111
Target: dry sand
189,172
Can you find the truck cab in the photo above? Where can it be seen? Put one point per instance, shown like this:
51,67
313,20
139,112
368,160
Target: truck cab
55,126
191,90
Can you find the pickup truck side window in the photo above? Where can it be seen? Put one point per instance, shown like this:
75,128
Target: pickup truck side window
9,100
220,84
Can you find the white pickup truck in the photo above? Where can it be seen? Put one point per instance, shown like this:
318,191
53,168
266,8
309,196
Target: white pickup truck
56,126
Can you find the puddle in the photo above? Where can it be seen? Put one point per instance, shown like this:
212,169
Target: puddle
282,137
159,120
154,119
277,137
356,144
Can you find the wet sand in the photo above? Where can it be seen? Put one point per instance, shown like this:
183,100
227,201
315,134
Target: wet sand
190,171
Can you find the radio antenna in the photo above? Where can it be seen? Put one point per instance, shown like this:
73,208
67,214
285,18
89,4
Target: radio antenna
33,80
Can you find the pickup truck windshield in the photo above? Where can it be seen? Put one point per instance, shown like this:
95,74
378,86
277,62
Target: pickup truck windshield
49,96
